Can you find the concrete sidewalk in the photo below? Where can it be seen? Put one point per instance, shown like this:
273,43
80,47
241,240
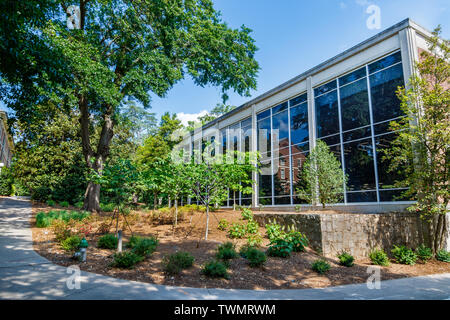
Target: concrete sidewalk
26,275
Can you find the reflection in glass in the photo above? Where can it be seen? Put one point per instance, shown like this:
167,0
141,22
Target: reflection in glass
327,114
280,123
385,62
354,105
299,124
359,166
383,85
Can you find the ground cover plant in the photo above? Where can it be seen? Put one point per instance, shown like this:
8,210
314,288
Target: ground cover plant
346,259
108,241
280,248
226,251
45,219
424,253
126,259
404,255
215,269
321,266
176,262
379,257
443,255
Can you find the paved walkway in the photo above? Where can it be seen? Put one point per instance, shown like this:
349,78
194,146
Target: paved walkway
26,275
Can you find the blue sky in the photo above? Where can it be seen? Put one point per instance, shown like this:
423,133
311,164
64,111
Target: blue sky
295,35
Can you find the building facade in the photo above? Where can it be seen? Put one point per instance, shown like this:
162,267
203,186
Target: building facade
6,142
347,102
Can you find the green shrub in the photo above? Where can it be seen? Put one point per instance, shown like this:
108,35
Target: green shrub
298,240
320,266
50,202
44,220
247,214
108,241
280,248
274,232
226,251
71,243
61,230
223,225
424,253
443,255
244,249
237,230
379,257
255,257
252,227
107,207
174,263
64,204
346,259
254,240
404,255
215,269
79,204
126,259
145,246
133,241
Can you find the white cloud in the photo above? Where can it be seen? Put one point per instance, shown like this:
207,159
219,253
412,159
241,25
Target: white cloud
185,117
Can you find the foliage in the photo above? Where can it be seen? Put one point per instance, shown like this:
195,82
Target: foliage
223,225
420,148
61,230
45,219
226,251
322,176
51,202
71,243
320,266
126,259
144,246
108,241
404,255
174,263
252,227
107,207
237,230
298,240
346,259
79,204
379,257
247,214
280,248
443,255
6,182
215,269
254,240
64,204
274,232
255,257
104,227
424,253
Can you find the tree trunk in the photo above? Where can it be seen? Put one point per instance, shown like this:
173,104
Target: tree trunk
234,200
155,200
176,211
207,222
92,197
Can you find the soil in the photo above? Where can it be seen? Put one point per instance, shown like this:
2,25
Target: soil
277,273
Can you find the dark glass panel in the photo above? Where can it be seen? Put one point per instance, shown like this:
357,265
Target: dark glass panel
300,99
299,124
325,88
246,137
300,148
355,75
368,196
383,87
281,178
385,62
386,179
266,201
263,115
280,107
354,105
337,152
264,135
265,180
356,134
280,123
331,140
394,195
246,201
381,128
327,114
282,200
359,166
223,133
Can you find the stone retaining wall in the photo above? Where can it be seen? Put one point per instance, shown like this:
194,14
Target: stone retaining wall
357,234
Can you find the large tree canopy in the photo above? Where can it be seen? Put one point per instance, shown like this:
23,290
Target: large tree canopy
123,50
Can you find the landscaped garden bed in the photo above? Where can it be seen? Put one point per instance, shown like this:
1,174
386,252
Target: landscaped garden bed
294,271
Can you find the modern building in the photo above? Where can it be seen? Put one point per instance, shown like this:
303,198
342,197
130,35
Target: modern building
347,102
6,142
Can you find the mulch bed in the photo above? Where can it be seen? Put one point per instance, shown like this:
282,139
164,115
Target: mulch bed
278,273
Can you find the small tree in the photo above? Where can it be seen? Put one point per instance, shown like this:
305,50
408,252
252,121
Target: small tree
421,147
323,177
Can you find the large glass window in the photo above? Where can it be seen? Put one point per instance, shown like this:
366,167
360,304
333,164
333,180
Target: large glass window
280,126
355,105
359,165
327,114
383,87
299,124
